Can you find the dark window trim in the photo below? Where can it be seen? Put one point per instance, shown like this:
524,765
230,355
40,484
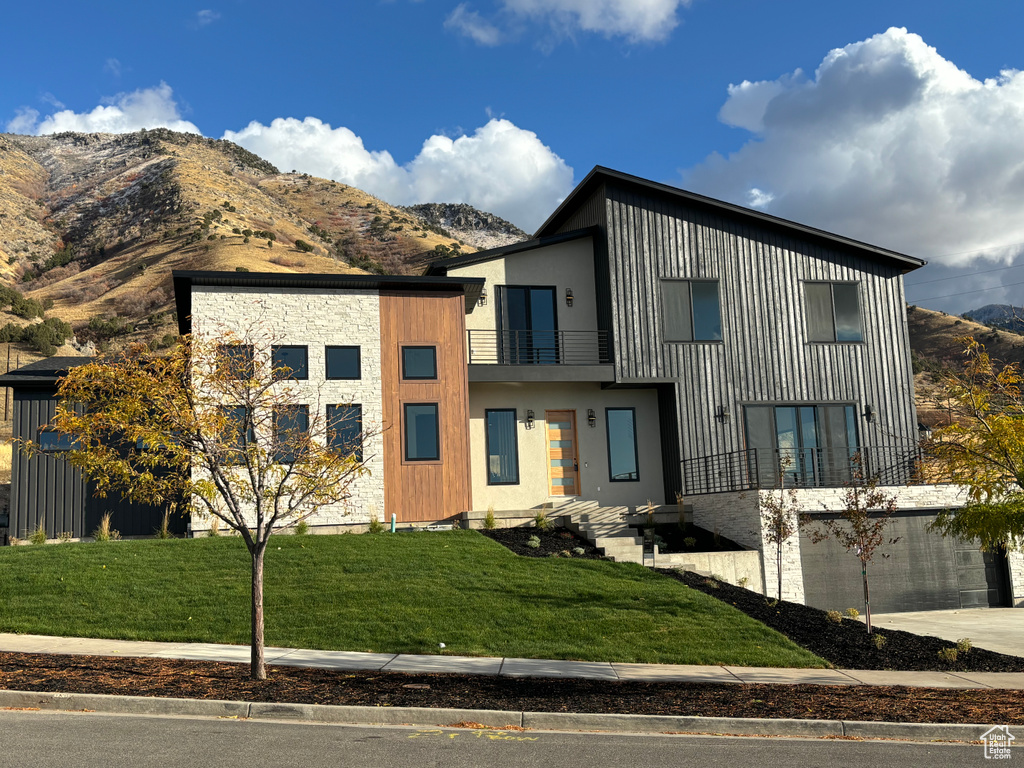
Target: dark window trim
273,350
689,288
359,362
405,434
608,437
226,358
279,456
246,438
358,452
832,294
515,440
432,348
773,404
527,287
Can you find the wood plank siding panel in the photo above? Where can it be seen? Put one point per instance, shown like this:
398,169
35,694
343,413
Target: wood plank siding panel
425,491
764,356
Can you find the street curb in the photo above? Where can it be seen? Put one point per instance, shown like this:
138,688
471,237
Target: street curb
426,716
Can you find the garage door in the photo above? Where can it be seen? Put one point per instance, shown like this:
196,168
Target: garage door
924,572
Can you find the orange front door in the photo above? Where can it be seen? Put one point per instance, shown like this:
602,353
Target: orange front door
563,463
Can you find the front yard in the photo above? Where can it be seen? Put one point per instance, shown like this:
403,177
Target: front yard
400,593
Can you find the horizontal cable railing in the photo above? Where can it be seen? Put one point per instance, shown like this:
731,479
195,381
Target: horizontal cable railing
538,347
802,468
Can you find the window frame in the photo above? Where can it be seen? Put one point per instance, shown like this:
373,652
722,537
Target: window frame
243,439
59,446
357,452
405,375
636,445
835,325
359,362
279,457
689,281
515,444
226,357
275,348
405,434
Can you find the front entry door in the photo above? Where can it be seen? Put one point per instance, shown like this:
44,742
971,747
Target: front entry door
563,462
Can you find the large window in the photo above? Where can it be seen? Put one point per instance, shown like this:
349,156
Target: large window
690,310
291,423
623,465
419,362
290,361
422,432
808,445
833,312
502,447
528,324
345,429
236,361
343,363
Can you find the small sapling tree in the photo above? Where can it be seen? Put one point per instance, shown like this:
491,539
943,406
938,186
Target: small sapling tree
780,518
860,525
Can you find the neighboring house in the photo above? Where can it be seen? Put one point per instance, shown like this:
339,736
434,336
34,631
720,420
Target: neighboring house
45,489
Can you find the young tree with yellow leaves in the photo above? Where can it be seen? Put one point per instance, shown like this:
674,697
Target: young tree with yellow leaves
216,424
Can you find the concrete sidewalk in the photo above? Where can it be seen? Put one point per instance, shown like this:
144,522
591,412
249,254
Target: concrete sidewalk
474,665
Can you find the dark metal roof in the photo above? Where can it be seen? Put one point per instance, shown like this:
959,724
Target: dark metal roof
601,175
183,282
45,371
441,266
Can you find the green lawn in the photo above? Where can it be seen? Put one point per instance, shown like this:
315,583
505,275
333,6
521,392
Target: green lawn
397,593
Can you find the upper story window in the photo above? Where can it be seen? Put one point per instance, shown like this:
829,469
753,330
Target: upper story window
236,361
291,423
833,312
343,363
690,310
419,362
290,361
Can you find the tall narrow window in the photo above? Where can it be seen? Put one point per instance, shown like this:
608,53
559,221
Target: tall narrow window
833,312
623,465
291,424
343,363
290,361
345,429
239,432
422,432
235,361
502,447
690,310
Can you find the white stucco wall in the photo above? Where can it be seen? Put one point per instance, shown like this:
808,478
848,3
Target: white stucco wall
316,318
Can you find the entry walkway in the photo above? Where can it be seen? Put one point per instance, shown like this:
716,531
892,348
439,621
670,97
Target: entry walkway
994,629
472,665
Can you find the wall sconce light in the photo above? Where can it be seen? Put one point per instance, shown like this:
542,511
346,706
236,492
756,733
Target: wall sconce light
568,297
591,417
482,301
721,414
924,432
869,413
529,419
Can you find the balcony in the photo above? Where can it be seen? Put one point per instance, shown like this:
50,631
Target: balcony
762,468
539,356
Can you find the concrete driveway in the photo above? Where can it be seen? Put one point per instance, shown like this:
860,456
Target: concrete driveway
995,629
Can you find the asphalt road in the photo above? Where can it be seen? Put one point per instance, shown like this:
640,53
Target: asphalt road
74,740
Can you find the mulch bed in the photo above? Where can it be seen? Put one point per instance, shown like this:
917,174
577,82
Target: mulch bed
554,542
847,644
210,680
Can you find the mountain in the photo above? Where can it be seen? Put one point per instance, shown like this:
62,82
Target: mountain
998,315
91,225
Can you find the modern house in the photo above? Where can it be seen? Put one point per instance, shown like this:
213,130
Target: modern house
648,343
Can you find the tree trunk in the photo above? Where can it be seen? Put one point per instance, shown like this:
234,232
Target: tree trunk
867,597
258,669
778,566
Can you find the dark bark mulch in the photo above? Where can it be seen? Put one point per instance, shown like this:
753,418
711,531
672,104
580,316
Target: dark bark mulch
691,538
554,542
211,680
847,644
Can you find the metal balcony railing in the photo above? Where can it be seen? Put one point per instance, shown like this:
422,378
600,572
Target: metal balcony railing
765,468
538,348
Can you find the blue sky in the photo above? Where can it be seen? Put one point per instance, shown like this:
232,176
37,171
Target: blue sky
900,123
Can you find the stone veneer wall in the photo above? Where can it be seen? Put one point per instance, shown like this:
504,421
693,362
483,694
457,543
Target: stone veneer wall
736,516
316,318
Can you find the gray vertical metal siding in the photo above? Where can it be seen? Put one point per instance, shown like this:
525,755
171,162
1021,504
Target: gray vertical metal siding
44,488
764,355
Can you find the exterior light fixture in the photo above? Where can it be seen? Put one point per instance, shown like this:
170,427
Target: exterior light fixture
568,297
923,431
722,414
869,413
482,301
529,419
591,417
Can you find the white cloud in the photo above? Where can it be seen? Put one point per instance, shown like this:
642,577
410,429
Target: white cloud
636,20
126,112
500,168
206,17
889,143
113,66
470,24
